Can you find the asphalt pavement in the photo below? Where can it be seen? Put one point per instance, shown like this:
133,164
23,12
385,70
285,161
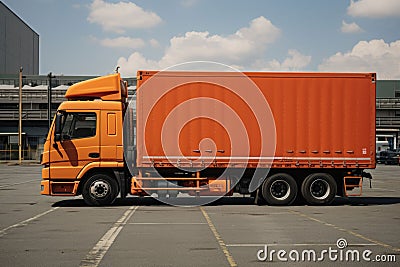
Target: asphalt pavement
38,230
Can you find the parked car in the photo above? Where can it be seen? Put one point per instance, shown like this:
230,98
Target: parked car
389,157
381,146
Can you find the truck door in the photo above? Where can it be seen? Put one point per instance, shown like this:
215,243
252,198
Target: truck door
79,144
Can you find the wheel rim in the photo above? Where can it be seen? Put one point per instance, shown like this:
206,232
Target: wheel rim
280,189
320,189
99,189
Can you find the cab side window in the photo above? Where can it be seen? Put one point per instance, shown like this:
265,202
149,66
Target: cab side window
79,125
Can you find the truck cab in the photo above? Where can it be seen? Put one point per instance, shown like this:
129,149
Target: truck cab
85,141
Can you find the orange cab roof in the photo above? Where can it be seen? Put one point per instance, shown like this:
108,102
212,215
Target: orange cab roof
105,87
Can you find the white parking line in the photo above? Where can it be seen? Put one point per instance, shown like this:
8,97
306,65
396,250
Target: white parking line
94,257
29,181
166,223
25,222
228,255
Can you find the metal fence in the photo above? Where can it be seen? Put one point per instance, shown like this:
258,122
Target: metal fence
12,154
388,103
32,148
36,114
393,122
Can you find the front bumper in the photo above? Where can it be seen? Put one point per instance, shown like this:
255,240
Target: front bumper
51,188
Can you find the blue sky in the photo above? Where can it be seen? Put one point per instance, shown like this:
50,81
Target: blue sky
92,37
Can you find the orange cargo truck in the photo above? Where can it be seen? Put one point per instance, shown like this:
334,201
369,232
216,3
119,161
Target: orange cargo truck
279,137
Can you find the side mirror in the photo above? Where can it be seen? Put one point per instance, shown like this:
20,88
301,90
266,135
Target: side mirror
57,127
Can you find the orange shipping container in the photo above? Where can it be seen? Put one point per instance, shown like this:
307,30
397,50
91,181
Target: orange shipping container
255,119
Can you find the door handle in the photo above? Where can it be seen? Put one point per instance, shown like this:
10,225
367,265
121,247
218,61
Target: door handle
94,155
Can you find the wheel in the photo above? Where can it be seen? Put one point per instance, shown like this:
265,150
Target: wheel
100,190
258,198
319,189
279,189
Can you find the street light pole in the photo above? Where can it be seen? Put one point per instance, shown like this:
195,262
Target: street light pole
50,76
20,118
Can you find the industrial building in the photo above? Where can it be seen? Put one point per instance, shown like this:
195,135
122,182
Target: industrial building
388,112
19,44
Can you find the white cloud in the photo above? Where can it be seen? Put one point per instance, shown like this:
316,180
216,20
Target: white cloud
246,42
374,8
154,43
350,27
242,47
373,56
135,62
294,62
123,42
117,17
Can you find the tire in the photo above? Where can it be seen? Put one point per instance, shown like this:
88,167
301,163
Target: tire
279,189
100,190
319,189
258,198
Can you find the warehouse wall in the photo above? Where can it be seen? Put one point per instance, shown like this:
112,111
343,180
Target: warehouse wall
19,44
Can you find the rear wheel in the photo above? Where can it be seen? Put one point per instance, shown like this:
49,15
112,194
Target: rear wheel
319,189
279,189
100,190
258,198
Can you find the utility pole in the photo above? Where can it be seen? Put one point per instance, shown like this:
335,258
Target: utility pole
50,76
20,118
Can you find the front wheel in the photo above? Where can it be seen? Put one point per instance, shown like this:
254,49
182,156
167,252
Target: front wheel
279,189
319,189
100,190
